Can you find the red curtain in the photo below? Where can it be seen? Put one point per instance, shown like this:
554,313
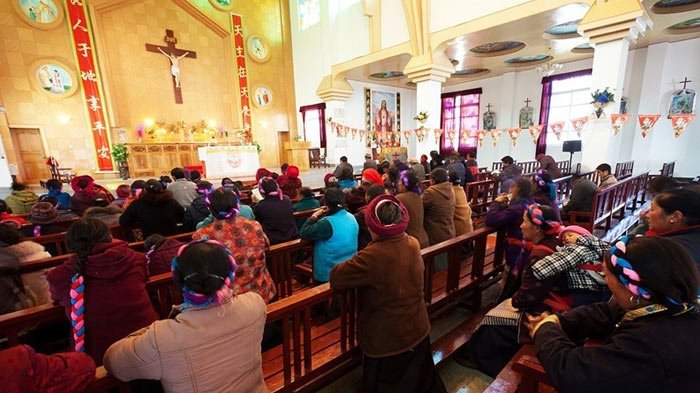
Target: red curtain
318,110
546,101
460,111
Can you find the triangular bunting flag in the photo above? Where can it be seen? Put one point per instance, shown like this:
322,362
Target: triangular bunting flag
579,124
466,134
438,133
535,132
618,120
480,135
557,128
496,135
647,123
514,134
407,134
451,136
680,122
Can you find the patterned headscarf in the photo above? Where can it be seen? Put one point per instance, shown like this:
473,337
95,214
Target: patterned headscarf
627,276
194,299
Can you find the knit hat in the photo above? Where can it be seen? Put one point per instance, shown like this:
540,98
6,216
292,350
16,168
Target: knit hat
90,184
261,173
123,190
43,213
292,172
575,229
370,175
327,177
413,161
376,226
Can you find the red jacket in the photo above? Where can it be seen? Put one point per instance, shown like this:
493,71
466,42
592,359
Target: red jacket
162,257
116,302
26,371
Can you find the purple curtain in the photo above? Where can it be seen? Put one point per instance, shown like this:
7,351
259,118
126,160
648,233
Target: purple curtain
447,122
320,110
546,100
466,116
469,120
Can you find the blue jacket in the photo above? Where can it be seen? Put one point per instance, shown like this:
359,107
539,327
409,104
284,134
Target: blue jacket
62,197
339,247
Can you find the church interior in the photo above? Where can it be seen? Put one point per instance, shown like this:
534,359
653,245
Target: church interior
129,125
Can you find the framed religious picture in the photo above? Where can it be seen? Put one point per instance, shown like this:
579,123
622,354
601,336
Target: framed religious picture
222,5
258,49
383,108
526,114
53,78
262,97
682,102
42,14
489,118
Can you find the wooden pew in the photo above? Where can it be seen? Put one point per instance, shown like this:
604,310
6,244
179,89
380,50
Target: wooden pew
529,167
667,168
58,240
564,167
624,169
611,202
480,194
481,176
564,187
592,176
523,374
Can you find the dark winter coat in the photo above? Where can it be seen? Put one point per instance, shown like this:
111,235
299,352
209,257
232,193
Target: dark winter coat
439,208
196,213
510,217
277,219
160,260
158,213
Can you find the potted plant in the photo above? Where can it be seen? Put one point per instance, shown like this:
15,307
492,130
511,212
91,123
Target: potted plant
120,153
601,99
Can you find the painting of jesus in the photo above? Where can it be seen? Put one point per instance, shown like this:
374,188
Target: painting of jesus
383,110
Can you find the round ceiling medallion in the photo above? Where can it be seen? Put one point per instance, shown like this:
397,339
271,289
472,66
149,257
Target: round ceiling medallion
583,48
387,75
471,72
563,30
687,26
497,48
674,6
528,60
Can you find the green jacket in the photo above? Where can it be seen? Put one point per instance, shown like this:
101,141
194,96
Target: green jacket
21,202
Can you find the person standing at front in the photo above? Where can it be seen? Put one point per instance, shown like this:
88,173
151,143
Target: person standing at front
394,330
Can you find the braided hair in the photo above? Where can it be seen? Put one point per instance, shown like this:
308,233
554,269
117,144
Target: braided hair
544,217
81,238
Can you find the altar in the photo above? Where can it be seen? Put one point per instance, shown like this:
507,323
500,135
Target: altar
229,161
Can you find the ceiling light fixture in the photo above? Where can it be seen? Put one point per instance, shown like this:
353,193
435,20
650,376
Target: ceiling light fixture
549,68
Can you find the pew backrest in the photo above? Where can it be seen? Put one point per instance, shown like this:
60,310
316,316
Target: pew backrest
667,168
624,169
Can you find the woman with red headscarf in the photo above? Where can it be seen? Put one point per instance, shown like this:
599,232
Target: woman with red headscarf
289,182
86,194
394,324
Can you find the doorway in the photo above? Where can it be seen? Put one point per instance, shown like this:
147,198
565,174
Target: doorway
282,138
31,157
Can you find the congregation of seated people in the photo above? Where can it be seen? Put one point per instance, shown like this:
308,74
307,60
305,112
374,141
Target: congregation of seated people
561,283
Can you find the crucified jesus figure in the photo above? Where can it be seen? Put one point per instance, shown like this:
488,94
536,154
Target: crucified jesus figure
175,66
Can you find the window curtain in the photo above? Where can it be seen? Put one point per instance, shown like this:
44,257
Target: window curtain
546,101
320,111
464,117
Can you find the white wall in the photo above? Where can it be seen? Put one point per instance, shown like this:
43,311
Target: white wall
394,27
354,116
448,13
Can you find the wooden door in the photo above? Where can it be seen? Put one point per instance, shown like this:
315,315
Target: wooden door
31,158
282,137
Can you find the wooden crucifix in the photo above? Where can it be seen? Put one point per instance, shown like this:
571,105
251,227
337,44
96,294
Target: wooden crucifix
174,55
685,82
488,107
527,102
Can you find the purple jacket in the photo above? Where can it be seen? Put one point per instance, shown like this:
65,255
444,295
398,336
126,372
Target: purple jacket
509,217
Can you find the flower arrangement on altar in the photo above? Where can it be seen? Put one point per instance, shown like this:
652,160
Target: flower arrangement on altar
601,99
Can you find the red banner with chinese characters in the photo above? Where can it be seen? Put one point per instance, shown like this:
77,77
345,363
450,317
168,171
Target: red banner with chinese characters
83,45
242,73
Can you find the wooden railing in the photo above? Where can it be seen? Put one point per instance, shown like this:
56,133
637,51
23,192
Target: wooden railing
480,194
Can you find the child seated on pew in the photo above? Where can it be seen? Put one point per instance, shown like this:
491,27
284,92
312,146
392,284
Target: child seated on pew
24,370
580,258
55,188
213,345
102,288
14,245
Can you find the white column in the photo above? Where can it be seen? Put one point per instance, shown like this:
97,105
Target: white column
599,144
427,100
335,109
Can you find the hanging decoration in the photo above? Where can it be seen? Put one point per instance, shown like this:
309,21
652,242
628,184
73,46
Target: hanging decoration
557,128
407,135
438,133
466,134
601,99
579,124
514,134
647,122
354,133
242,74
480,135
83,46
535,132
618,120
680,122
496,135
452,136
